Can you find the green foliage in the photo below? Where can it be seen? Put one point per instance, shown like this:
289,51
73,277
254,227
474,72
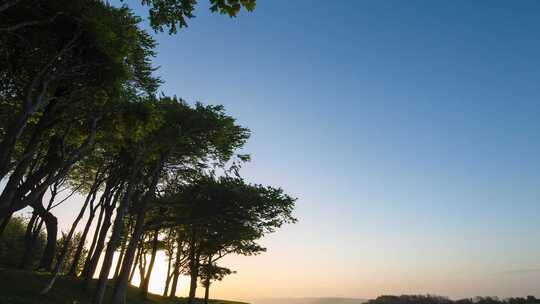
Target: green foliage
229,200
213,272
173,14
70,254
227,215
199,133
231,7
12,243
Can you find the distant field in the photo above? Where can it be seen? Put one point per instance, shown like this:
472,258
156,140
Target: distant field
22,287
309,301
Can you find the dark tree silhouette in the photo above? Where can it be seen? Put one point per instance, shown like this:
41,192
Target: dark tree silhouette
79,113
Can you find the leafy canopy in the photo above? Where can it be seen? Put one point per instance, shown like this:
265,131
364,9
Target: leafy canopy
173,14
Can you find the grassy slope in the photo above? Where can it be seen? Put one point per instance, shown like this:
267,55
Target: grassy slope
22,287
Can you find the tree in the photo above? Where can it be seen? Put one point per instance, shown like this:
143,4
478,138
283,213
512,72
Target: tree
79,111
212,272
193,134
173,15
102,57
222,215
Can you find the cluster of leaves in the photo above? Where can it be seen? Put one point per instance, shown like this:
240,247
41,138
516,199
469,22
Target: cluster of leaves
173,15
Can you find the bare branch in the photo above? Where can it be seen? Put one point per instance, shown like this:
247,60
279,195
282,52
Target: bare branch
8,4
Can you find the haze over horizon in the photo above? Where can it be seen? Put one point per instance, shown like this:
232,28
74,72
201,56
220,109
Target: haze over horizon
307,301
408,130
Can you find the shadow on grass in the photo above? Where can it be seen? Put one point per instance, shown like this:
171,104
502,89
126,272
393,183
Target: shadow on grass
22,287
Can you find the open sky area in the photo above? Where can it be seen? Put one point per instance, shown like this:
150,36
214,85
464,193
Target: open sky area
408,130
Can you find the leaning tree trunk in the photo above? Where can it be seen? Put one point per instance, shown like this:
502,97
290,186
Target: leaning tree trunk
67,242
115,238
8,4
51,225
30,104
119,260
31,148
17,196
122,250
5,222
28,254
90,268
168,277
120,288
80,246
176,276
24,165
34,230
177,264
134,268
10,138
35,98
146,282
104,205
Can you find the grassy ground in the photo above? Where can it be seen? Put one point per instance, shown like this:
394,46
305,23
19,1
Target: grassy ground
22,287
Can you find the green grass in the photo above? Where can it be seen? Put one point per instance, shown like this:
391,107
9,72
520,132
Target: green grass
22,287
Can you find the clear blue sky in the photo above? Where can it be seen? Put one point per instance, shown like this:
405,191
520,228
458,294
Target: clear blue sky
409,131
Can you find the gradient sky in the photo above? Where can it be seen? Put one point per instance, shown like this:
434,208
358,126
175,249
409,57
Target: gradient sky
409,131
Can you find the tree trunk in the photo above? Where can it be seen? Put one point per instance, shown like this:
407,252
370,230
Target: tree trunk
115,238
123,250
16,197
5,222
176,276
32,102
24,162
119,293
137,257
120,259
67,241
51,225
8,4
104,204
142,266
10,138
194,256
29,241
177,264
32,145
33,231
206,292
207,281
78,252
168,277
146,282
89,271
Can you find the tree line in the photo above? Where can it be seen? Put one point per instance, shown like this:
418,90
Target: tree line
80,113
431,299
